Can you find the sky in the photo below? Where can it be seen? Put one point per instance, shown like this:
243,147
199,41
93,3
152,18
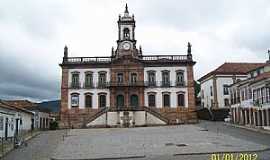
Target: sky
33,34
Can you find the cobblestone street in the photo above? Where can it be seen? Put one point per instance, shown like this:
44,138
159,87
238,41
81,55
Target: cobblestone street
145,143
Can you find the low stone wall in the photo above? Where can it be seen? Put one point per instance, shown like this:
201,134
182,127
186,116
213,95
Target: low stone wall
178,115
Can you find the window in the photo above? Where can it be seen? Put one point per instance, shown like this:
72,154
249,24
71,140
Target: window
133,77
151,78
179,78
120,78
88,100
88,80
166,100
74,100
102,79
181,99
225,89
152,100
165,78
211,91
226,102
126,33
75,82
102,100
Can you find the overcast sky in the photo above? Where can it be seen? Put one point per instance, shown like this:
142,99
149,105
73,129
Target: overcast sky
33,34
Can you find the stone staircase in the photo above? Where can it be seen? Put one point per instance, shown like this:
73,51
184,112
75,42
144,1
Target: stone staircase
156,114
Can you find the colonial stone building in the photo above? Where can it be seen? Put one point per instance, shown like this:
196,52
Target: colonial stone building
127,88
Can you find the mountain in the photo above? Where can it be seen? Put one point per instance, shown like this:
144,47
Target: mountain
53,106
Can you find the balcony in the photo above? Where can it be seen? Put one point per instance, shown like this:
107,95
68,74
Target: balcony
75,85
102,85
129,83
151,83
165,84
88,85
180,83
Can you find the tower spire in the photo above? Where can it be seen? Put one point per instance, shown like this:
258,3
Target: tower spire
126,10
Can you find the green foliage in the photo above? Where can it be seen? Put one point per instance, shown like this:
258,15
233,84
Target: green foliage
197,88
53,125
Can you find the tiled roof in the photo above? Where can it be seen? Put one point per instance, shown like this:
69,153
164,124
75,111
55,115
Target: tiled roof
21,103
13,107
233,68
260,77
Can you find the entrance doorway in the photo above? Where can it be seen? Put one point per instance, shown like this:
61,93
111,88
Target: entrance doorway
134,100
120,101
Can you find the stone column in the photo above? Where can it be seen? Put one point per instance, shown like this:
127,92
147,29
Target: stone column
259,118
263,118
246,122
267,117
190,85
254,118
249,114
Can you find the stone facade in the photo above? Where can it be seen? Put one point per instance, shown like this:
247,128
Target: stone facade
115,91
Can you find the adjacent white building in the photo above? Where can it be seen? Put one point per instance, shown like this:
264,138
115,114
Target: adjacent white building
215,84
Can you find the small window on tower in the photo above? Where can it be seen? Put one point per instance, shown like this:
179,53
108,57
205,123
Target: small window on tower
126,33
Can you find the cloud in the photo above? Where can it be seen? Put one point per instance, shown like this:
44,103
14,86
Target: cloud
33,34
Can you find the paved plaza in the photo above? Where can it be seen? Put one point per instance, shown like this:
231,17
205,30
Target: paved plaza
155,143
148,141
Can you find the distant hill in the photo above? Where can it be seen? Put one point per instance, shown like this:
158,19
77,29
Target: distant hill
53,106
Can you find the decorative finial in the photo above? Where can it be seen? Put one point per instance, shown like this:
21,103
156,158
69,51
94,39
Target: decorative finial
112,51
126,10
140,50
189,48
66,51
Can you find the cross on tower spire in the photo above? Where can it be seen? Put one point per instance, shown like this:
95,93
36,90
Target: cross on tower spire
126,10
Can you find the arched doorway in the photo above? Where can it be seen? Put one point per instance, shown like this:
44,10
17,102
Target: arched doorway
134,100
120,101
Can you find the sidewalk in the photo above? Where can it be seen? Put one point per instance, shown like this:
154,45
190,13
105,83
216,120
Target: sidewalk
265,130
8,145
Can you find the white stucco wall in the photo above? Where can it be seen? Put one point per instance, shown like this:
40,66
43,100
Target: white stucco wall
94,91
158,90
26,121
205,87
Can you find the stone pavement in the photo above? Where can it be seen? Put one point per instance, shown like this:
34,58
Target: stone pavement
148,142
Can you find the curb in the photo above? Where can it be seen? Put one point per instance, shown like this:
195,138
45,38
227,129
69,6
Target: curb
260,130
112,158
220,152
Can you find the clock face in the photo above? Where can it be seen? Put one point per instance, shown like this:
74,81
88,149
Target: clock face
126,46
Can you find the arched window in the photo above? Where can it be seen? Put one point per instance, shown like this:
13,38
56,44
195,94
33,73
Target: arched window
88,80
126,33
134,100
75,80
179,78
181,100
152,100
88,100
102,100
75,99
166,99
133,78
166,78
151,78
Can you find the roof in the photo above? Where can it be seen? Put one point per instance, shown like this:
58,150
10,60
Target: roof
260,77
232,69
21,103
12,107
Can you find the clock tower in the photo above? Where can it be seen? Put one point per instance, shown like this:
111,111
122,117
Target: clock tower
126,43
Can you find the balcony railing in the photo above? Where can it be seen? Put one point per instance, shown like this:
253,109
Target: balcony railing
88,85
180,83
165,84
165,58
128,83
75,85
102,84
151,83
82,60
